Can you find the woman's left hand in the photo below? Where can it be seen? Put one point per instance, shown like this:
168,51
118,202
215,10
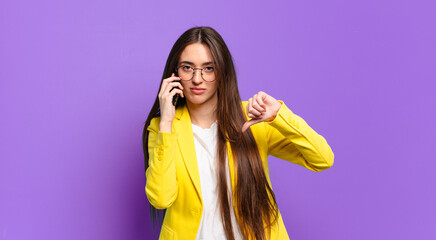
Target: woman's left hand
261,107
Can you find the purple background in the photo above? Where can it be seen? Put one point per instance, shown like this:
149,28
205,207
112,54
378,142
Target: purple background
78,78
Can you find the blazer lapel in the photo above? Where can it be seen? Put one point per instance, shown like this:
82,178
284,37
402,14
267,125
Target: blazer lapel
185,140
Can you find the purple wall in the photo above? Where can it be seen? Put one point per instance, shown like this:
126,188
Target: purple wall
77,80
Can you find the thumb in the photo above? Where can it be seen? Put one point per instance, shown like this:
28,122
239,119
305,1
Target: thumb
247,124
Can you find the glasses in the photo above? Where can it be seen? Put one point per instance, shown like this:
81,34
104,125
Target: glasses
186,73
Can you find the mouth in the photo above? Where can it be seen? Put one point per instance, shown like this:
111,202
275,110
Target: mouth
196,90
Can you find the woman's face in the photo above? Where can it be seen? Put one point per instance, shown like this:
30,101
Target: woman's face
197,91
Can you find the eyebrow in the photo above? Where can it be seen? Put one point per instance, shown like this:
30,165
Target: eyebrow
191,63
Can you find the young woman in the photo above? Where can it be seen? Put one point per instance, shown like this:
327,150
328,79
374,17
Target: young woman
206,151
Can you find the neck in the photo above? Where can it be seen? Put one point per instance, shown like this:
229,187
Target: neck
203,115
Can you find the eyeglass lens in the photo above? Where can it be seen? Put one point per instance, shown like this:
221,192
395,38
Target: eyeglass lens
188,73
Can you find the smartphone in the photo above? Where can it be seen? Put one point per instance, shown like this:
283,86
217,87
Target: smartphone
177,96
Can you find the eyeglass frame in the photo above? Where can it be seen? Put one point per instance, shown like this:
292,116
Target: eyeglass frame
193,73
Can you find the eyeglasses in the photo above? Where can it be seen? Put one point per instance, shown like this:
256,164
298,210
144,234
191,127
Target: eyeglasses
186,73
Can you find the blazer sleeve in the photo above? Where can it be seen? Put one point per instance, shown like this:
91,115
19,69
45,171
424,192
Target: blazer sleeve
161,186
290,138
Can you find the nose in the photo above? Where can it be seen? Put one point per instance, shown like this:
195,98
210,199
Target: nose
197,78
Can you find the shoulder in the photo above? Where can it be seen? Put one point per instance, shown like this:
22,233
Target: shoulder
154,124
244,106
244,103
182,114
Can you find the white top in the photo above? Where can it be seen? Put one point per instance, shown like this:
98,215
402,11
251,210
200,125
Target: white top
211,226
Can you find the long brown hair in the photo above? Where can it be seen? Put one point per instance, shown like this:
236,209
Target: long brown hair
255,201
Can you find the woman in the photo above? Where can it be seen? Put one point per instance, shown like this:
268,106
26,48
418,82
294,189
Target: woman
206,163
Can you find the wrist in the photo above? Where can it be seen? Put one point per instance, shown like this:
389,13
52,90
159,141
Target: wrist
165,126
275,112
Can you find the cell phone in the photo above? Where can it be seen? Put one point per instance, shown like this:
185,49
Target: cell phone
177,96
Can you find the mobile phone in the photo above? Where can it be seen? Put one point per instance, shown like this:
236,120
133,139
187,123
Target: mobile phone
177,96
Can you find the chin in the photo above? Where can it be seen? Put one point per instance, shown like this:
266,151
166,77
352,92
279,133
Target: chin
196,101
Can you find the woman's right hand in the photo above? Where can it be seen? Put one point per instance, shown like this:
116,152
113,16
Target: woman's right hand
167,109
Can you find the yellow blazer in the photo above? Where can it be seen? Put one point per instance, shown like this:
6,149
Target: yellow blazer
173,180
